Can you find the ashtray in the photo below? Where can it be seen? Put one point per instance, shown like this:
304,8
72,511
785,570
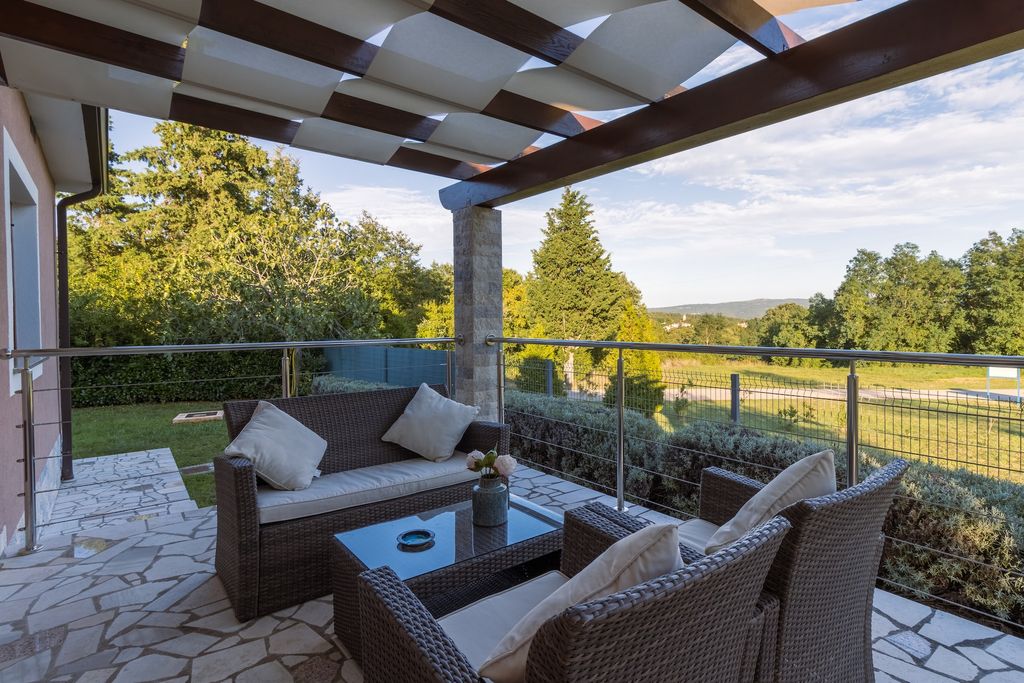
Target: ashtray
416,539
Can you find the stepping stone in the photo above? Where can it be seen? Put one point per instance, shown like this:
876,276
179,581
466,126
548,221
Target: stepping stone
1009,649
899,609
982,659
222,665
950,663
949,629
150,668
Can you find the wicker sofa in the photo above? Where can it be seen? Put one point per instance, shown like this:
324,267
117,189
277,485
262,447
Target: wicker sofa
704,622
273,546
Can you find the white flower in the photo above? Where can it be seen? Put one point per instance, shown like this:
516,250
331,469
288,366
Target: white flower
505,465
472,459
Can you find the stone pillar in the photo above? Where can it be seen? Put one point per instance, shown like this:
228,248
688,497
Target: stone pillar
477,306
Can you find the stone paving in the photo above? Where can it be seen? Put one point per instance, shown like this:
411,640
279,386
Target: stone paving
113,489
138,601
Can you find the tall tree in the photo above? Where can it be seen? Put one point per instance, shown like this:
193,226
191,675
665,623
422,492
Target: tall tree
787,325
993,295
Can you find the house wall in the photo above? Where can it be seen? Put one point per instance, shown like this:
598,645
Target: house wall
20,148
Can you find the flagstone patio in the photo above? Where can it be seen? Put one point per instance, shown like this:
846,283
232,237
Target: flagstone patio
138,601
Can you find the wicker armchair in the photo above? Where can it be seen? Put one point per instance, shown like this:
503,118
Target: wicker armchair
270,566
694,624
824,574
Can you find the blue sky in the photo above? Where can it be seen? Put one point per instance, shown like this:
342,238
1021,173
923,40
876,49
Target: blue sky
776,212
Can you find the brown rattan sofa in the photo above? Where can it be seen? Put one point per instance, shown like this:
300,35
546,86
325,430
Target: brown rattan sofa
824,574
693,624
285,561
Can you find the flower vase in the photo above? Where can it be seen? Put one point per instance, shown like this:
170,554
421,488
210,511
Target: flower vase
490,502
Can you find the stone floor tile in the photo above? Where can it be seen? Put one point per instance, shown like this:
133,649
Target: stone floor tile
28,575
951,664
271,672
222,665
97,660
981,659
297,640
1003,677
910,642
32,668
123,621
316,613
950,629
150,668
230,641
188,645
900,609
56,616
907,672
78,644
127,655
144,636
351,673
137,595
881,626
174,565
1009,649
261,628
887,648
316,669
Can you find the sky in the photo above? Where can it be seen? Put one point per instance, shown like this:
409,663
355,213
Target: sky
773,213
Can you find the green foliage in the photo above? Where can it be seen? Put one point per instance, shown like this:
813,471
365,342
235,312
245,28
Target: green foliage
993,295
948,512
788,325
207,238
330,384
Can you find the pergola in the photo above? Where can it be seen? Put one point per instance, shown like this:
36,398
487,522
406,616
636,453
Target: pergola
468,89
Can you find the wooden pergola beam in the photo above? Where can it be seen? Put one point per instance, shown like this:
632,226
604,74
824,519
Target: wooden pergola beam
39,25
911,41
749,23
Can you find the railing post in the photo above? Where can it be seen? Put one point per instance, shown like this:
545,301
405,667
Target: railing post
285,374
734,398
852,417
549,377
501,384
296,372
620,446
449,357
29,442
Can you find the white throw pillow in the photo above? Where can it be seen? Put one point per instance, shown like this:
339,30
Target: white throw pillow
284,452
808,477
431,425
643,555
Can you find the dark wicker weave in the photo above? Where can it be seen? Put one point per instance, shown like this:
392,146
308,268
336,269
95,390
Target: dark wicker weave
267,567
824,574
690,625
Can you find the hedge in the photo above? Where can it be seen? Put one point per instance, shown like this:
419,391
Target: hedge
977,519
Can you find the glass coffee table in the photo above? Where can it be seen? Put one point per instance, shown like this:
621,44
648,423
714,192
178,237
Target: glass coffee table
462,564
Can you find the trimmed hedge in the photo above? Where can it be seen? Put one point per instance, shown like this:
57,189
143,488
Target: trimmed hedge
946,512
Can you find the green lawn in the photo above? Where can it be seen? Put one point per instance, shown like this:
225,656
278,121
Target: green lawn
122,429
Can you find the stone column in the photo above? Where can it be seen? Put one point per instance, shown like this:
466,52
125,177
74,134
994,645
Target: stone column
477,306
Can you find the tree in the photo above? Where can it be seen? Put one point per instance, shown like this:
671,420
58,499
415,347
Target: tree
787,325
645,389
993,295
208,238
572,291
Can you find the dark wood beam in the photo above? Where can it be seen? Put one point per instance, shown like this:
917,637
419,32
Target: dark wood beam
511,25
748,22
508,106
379,117
32,23
425,162
913,40
272,28
200,112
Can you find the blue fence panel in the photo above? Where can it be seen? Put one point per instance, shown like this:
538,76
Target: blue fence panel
396,366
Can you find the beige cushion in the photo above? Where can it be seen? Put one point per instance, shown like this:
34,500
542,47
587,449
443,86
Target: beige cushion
431,425
478,627
643,555
350,488
284,452
695,533
808,477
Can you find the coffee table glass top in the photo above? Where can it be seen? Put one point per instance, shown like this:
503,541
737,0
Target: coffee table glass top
456,538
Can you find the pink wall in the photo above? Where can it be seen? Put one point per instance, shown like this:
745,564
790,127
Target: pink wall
14,119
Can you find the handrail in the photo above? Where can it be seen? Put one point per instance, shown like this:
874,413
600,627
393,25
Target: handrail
843,355
75,352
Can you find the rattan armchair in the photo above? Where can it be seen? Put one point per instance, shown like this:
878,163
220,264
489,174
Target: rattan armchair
695,624
824,574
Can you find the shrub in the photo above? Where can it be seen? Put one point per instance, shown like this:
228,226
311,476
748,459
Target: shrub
331,384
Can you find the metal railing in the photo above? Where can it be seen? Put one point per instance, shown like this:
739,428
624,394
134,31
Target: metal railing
291,378
965,437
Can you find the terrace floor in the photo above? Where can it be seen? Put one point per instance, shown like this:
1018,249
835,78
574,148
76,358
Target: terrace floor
138,601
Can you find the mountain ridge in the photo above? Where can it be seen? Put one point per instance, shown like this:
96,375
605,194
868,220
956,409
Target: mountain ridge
746,309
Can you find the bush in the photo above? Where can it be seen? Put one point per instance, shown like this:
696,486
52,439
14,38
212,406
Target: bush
332,384
938,513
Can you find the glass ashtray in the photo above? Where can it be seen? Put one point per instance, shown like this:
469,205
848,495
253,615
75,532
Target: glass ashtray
416,539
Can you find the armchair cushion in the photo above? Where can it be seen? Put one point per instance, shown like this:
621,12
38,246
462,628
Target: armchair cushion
284,452
431,425
695,533
643,555
351,488
808,477
477,628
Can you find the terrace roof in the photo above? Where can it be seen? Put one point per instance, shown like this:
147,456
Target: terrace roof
468,89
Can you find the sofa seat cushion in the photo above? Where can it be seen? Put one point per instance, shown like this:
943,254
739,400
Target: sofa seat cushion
351,488
696,532
477,628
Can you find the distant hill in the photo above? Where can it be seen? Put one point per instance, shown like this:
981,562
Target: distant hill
753,308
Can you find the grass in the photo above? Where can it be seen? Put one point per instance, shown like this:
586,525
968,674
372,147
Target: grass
122,429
